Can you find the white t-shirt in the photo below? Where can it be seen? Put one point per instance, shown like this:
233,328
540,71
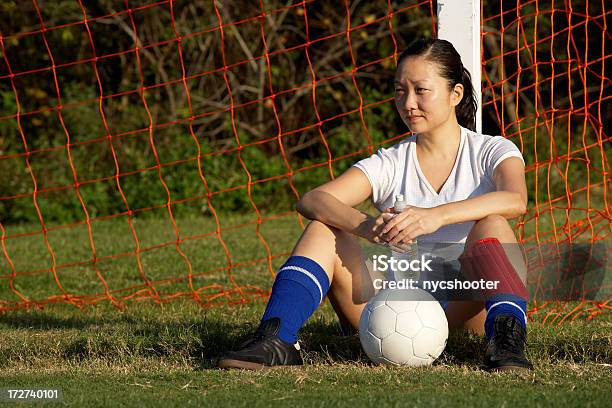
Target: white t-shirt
395,170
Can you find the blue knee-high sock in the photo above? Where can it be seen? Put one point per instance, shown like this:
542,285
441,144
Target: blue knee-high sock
299,288
504,304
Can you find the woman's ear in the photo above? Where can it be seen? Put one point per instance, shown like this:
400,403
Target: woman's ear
457,94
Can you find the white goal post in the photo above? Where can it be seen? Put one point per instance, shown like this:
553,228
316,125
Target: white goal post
459,23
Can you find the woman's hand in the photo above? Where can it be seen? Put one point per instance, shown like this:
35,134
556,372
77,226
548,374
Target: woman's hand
409,224
372,228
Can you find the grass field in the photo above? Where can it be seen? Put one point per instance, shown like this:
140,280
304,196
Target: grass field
163,354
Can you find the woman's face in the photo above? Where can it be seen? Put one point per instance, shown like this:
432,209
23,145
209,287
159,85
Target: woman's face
422,96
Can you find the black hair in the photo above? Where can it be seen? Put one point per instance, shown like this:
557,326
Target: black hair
448,59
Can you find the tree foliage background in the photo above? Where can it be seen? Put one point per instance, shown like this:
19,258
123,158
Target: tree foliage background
273,93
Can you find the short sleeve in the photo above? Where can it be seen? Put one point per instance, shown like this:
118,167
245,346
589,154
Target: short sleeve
497,150
380,168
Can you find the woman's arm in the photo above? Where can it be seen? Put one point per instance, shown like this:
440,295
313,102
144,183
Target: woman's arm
510,201
333,202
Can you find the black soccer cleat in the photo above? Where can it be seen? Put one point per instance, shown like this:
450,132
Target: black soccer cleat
506,350
264,350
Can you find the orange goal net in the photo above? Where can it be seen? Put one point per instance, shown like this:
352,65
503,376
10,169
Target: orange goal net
155,150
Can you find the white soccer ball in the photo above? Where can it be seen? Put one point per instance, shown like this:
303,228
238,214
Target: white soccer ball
403,327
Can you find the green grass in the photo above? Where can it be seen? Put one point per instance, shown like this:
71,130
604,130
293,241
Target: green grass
163,354
161,263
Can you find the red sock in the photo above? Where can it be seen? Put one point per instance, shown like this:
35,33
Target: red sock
487,260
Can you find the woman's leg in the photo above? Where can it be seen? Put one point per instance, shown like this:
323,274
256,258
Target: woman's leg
471,315
340,255
324,261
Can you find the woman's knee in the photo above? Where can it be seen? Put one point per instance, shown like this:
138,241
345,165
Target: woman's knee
329,246
492,222
493,225
318,228
316,243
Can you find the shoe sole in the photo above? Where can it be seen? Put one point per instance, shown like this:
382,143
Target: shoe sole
247,365
509,368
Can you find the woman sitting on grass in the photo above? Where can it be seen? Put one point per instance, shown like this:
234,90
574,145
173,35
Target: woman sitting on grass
461,187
